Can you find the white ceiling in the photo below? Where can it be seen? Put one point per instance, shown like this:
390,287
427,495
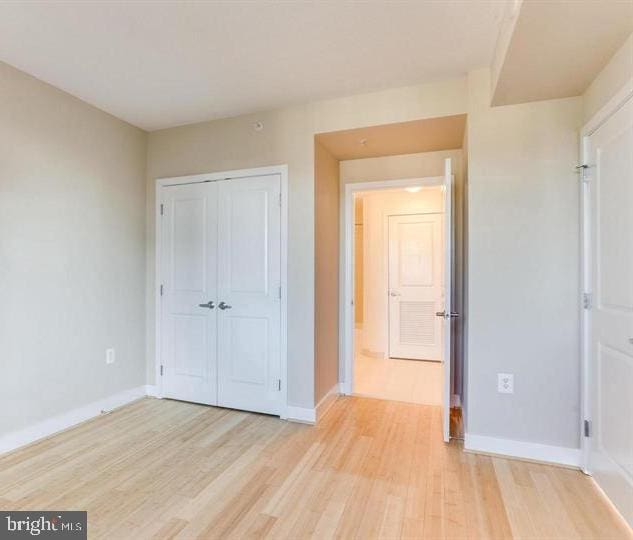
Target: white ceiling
162,64
558,47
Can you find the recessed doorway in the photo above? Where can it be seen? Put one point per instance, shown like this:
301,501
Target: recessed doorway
401,191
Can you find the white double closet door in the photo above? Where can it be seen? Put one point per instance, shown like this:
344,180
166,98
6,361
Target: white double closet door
220,303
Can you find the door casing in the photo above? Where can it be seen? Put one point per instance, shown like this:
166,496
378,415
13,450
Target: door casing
282,171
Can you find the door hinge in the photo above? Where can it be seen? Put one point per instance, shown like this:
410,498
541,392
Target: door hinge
582,172
587,428
161,370
161,290
280,199
586,301
278,384
279,292
162,209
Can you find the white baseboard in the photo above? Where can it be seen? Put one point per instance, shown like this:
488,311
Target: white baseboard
66,420
327,401
303,415
345,388
373,354
570,457
151,390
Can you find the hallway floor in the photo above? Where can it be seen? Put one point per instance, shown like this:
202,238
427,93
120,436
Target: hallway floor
413,381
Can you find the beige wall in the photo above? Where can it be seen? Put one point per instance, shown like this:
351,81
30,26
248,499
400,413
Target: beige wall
72,252
523,237
398,167
326,261
617,73
523,295
287,137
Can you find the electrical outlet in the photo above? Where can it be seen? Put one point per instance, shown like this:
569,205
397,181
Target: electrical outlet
110,356
505,383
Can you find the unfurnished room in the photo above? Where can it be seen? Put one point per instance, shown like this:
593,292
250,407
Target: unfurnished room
316,269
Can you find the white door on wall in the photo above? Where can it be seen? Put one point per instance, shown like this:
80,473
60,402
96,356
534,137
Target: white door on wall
415,286
249,296
188,276
220,332
610,157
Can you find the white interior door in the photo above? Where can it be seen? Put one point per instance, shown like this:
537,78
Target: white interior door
446,314
415,286
188,275
610,156
249,278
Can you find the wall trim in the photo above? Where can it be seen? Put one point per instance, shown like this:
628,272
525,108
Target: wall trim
301,415
69,419
323,406
373,354
608,109
542,453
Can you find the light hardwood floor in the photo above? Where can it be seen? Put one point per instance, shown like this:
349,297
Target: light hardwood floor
415,381
371,469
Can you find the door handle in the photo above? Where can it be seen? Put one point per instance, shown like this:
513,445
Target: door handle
223,306
444,315
393,293
209,304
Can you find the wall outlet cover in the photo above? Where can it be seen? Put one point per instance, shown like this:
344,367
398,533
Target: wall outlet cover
505,383
110,357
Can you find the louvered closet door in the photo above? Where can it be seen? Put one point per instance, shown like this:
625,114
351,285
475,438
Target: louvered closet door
415,286
249,277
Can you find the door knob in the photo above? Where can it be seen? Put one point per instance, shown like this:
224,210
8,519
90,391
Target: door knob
224,305
444,315
209,304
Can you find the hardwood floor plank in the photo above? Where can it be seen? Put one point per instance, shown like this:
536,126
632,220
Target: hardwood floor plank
370,469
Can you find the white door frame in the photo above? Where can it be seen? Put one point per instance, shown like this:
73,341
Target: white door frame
346,277
608,110
161,183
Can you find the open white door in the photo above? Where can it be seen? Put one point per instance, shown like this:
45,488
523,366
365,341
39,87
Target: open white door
609,156
447,315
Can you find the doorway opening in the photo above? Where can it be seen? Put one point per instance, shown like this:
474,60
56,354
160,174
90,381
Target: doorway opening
398,290
401,251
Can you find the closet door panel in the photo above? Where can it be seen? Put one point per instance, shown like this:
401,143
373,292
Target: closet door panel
248,285
189,279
